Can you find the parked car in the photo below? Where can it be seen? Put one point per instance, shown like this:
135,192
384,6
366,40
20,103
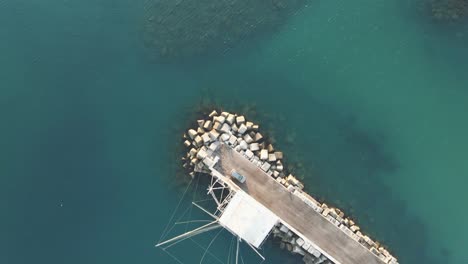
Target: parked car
239,177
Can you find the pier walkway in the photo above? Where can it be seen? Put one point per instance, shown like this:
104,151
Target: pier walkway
293,212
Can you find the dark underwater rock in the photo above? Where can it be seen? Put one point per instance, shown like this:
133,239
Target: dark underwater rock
449,10
186,28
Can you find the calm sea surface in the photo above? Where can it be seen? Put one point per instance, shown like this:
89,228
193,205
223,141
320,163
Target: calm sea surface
367,98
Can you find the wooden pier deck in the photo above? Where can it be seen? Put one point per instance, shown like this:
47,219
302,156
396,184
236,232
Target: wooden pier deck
293,211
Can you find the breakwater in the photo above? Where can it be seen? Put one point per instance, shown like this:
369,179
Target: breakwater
207,144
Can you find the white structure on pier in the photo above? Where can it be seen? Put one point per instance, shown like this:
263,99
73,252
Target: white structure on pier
248,219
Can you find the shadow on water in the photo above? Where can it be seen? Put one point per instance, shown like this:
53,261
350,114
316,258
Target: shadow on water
340,161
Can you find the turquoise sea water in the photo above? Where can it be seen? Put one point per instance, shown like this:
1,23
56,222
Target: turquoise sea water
368,99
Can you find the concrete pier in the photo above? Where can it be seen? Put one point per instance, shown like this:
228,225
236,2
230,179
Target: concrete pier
294,212
223,143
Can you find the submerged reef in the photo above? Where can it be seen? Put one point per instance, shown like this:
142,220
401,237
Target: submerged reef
449,10
177,29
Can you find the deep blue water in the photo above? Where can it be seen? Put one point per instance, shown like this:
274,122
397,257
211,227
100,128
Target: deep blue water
366,98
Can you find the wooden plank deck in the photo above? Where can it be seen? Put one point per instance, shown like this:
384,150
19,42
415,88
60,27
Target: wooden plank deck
293,211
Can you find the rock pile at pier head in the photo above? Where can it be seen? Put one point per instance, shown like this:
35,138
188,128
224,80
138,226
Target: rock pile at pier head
245,137
178,29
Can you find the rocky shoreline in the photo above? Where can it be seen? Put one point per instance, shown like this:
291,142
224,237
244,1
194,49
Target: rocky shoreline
245,137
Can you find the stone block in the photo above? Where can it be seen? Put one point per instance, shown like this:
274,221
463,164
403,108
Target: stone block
254,147
249,154
200,131
202,154
299,241
248,139
243,144
255,127
214,146
206,138
271,157
249,125
264,154
224,114
258,137
232,140
242,129
225,137
279,167
208,125
270,148
279,155
217,126
220,119
192,133
187,143
230,119
198,141
266,166
214,113
200,122
284,229
226,128
240,120
214,135
192,152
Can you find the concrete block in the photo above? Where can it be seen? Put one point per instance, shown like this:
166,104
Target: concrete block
214,146
206,138
202,154
249,154
270,148
208,125
192,152
279,155
232,140
187,143
249,125
214,134
266,166
279,167
240,120
226,128
230,119
217,126
299,241
225,137
248,139
220,119
192,133
243,144
271,157
258,137
242,129
214,113
198,141
264,154
200,122
254,147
